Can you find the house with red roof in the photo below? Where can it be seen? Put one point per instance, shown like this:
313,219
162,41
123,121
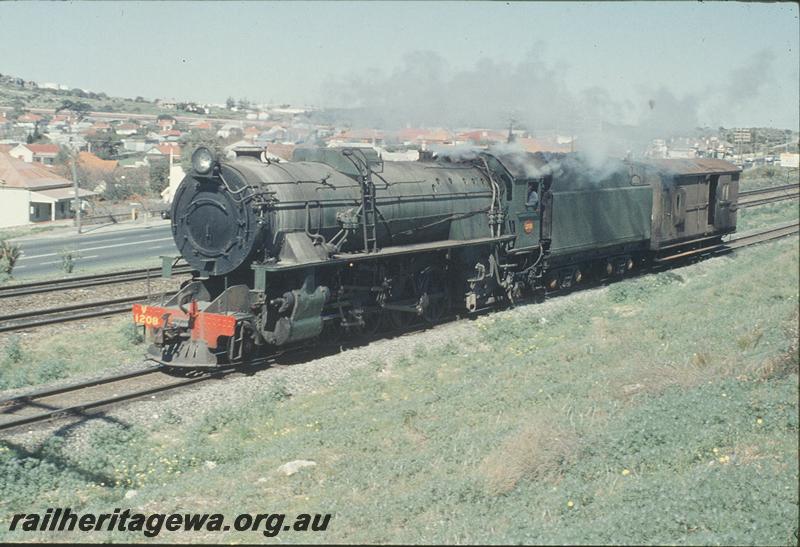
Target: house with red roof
200,125
29,118
39,153
100,127
530,144
126,129
424,137
165,123
91,162
250,133
482,136
164,150
170,133
31,192
357,136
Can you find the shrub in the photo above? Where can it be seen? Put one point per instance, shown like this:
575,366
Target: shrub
132,333
9,254
68,258
540,451
14,350
52,370
279,392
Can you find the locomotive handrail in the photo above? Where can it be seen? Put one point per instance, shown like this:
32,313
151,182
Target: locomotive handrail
316,237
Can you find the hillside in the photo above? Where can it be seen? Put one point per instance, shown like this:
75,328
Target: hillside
18,93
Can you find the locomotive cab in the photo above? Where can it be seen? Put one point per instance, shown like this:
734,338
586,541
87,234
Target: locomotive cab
528,178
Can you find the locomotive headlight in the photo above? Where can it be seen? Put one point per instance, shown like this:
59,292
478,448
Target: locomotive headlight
202,161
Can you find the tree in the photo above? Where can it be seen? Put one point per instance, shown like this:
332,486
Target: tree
104,145
193,140
230,103
159,176
36,136
80,109
126,183
244,104
63,157
17,109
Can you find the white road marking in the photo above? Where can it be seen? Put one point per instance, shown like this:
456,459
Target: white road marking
53,262
23,257
22,253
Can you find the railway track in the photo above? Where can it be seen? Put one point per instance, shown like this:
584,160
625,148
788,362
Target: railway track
75,312
764,236
732,244
85,399
772,194
123,276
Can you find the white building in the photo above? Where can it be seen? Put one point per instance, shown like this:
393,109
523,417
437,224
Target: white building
30,192
790,160
40,153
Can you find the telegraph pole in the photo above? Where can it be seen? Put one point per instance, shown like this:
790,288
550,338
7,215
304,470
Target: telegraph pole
77,199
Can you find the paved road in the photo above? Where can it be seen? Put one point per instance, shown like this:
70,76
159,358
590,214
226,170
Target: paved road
100,249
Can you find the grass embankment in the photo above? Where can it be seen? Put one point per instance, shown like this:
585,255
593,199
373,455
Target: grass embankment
80,268
766,176
30,360
763,216
23,231
663,409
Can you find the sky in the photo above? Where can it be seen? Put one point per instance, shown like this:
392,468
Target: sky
709,63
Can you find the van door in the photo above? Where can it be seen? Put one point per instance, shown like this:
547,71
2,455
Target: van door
713,201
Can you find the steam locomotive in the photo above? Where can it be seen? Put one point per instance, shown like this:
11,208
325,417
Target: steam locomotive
338,241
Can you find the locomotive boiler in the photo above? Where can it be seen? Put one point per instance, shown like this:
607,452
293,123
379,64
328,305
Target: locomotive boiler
339,242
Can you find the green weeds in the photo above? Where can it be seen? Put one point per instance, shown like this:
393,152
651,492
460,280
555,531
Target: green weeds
662,409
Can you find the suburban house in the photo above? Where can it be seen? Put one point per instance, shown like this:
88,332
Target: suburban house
31,192
90,162
133,161
351,136
28,120
164,151
39,153
127,129
424,137
165,123
200,125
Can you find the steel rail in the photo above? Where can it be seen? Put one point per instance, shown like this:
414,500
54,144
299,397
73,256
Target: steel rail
736,243
81,408
764,236
784,187
764,201
95,280
27,398
52,316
